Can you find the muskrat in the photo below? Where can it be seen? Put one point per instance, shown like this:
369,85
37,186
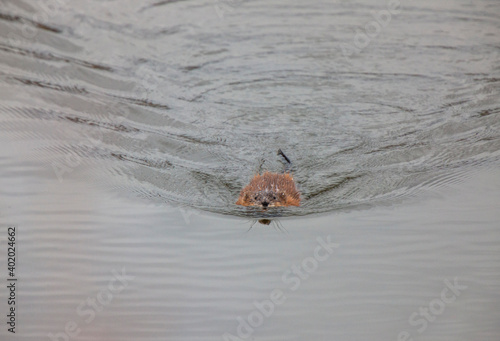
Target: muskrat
270,190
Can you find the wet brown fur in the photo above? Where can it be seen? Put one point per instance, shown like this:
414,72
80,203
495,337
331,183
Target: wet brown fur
270,190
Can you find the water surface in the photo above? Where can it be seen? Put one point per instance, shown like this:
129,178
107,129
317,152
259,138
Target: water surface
128,129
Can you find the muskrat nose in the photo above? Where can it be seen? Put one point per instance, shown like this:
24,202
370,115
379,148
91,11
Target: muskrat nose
265,204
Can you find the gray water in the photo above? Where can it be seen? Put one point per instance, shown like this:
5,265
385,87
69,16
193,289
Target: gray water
127,130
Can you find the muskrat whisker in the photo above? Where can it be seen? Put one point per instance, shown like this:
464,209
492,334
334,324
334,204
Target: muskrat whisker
279,226
251,226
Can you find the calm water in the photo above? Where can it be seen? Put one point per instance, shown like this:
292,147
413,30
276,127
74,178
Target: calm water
127,130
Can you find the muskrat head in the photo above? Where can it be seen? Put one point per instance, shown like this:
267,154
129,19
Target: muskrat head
265,199
270,190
